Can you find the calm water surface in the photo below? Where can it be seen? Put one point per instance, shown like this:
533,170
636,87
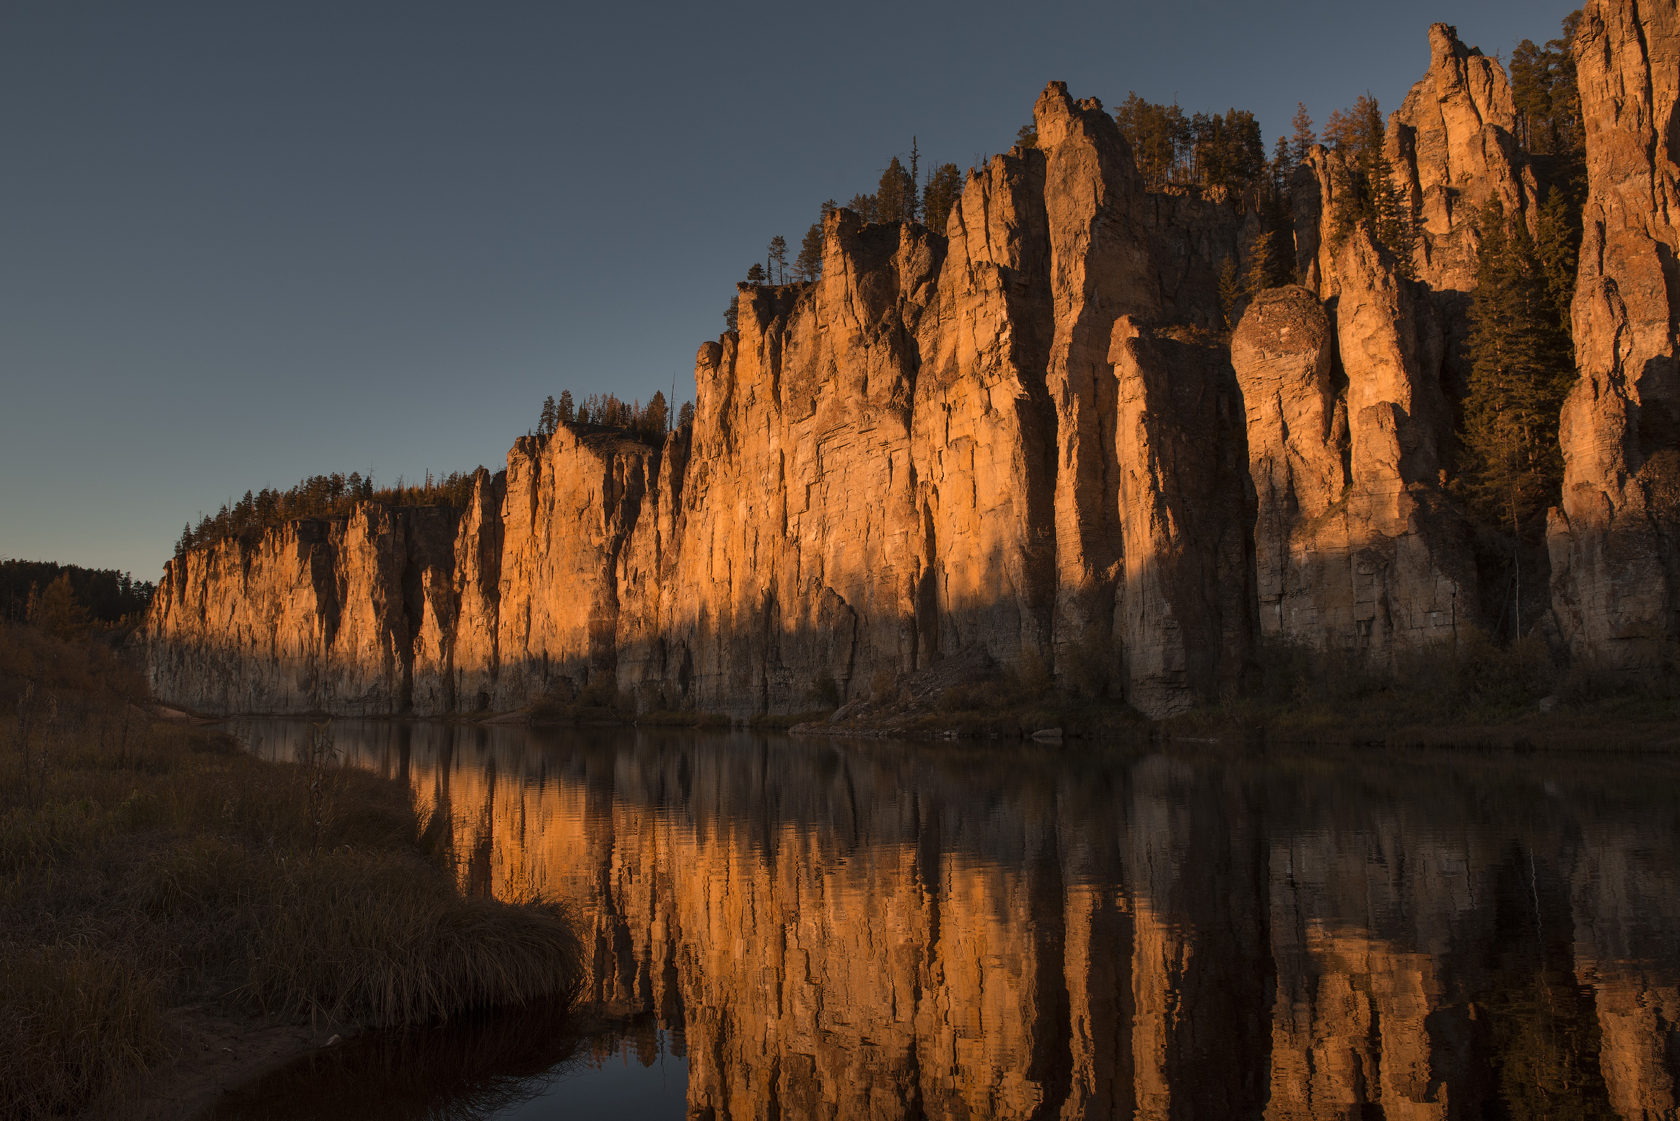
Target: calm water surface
778,928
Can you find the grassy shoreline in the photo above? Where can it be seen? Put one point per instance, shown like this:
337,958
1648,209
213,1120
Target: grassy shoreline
176,912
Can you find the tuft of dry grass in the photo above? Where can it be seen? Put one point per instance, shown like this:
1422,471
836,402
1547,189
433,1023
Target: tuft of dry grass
148,865
75,1020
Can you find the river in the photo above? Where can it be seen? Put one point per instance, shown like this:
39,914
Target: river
780,927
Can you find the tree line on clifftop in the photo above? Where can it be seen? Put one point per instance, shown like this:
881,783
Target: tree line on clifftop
319,496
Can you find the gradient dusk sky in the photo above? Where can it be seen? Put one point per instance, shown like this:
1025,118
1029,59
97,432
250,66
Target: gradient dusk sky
242,243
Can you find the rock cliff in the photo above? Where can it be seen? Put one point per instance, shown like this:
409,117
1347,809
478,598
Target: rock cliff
1613,538
1025,441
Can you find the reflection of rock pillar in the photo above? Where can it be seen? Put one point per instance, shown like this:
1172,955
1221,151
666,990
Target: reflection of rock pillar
1637,1038
1100,1012
1623,922
1201,975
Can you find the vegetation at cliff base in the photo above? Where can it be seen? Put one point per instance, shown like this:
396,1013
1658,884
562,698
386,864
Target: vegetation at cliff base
149,869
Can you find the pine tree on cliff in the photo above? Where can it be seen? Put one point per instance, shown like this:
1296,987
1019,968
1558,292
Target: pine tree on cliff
565,411
1521,369
546,421
655,419
777,266
755,273
731,322
808,265
895,197
1301,143
1159,136
939,197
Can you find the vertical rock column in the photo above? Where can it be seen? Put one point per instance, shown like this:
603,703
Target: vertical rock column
1615,537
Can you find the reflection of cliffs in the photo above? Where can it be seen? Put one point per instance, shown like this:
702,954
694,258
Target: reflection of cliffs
872,933
1021,439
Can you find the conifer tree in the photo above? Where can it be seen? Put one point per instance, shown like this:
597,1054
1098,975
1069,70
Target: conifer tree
565,412
895,197
545,422
1301,143
944,188
777,266
808,265
755,273
1521,369
864,206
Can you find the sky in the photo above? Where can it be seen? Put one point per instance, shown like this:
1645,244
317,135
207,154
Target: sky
244,243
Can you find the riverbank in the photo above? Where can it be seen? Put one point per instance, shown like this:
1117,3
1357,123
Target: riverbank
179,915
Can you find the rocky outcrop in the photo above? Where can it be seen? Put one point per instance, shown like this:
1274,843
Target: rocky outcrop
1615,537
1454,148
354,616
1019,444
1358,546
942,448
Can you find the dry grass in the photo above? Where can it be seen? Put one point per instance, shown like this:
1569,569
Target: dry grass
146,865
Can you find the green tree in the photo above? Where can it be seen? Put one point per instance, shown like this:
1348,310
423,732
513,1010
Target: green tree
895,196
755,273
1027,135
939,197
808,265
864,206
1159,136
1302,141
565,411
731,323
655,419
57,611
777,264
545,422
1521,368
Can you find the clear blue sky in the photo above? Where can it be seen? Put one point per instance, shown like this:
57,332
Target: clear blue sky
242,243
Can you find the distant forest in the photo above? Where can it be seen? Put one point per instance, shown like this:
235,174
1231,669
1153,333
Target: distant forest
107,596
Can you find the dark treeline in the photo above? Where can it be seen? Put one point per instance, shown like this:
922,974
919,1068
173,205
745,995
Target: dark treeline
30,588
320,496
650,423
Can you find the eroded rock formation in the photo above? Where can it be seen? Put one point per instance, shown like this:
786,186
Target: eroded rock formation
1021,441
942,447
1615,537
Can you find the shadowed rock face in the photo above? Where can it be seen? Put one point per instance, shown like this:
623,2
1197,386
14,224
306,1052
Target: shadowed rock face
1613,539
1019,441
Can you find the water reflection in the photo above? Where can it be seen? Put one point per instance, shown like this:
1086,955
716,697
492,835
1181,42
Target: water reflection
881,931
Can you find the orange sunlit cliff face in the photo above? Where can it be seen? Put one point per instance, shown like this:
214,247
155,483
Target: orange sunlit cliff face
850,931
1025,437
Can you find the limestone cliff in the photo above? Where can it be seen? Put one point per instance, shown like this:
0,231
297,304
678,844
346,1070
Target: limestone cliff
1613,538
945,446
1023,441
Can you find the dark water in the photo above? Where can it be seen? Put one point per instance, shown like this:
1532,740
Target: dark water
784,929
